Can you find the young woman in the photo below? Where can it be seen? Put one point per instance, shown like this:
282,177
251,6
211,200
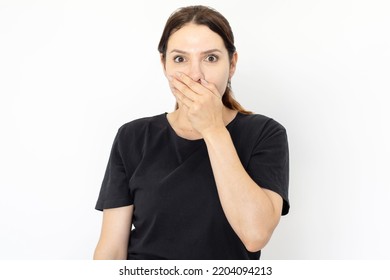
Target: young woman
206,181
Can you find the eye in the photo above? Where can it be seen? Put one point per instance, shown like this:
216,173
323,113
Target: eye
178,59
212,58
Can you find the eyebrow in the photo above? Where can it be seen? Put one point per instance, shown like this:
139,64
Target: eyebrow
205,52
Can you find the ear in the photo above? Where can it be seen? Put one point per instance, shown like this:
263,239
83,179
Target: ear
162,60
233,64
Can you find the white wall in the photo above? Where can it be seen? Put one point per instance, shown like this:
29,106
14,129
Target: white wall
71,72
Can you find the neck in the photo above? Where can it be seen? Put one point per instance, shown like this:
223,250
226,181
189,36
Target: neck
181,120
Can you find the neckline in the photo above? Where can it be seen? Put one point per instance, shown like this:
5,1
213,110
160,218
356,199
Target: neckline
194,140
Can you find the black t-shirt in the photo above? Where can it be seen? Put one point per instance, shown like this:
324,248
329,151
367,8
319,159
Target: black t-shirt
169,180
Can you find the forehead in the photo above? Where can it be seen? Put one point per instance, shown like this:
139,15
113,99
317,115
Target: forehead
193,37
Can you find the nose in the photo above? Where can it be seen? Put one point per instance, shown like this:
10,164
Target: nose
196,71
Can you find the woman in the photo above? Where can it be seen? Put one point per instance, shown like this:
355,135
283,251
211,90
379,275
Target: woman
206,181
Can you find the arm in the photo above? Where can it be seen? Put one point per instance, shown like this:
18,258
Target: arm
115,234
253,212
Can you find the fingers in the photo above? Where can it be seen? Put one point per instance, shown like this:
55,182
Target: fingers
190,88
202,99
182,93
181,98
211,87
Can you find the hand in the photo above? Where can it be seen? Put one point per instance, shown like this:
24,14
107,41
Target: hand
203,101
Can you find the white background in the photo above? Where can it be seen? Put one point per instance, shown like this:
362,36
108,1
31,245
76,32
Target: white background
72,72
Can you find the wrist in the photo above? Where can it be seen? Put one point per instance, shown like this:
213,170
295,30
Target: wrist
215,132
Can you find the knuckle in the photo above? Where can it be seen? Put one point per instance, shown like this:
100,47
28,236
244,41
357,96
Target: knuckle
202,101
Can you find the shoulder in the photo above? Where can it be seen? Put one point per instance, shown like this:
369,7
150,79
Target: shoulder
135,132
260,125
131,136
141,125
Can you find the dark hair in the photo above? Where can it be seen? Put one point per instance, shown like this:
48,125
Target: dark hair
203,15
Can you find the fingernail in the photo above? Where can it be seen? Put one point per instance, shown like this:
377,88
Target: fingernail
204,81
179,74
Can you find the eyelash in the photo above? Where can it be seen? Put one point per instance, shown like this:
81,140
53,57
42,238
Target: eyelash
178,57
214,56
175,59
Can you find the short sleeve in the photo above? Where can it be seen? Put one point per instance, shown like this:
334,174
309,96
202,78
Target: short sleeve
269,162
115,190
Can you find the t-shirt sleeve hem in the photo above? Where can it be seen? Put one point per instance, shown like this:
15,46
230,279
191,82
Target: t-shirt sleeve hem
107,204
286,203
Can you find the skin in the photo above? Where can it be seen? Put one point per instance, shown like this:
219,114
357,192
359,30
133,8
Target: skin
204,61
198,67
115,233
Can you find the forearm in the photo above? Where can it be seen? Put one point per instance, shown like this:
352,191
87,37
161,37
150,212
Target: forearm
105,252
248,208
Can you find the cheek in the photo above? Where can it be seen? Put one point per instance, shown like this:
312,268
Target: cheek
222,88
169,70
171,67
219,80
